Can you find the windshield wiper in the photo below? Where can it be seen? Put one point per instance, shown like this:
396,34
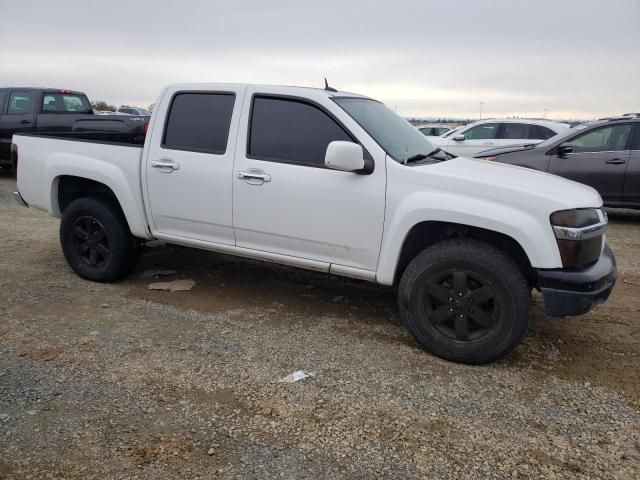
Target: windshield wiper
422,156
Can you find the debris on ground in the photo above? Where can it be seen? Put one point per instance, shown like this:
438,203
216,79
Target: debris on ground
296,376
151,273
173,286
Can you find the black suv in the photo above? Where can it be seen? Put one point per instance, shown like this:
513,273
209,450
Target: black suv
604,155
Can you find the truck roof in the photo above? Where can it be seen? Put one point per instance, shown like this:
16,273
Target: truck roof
310,92
43,89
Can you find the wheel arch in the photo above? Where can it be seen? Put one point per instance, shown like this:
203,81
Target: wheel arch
427,233
66,188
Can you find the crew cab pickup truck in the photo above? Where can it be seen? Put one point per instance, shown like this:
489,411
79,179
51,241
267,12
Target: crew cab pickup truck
337,183
25,109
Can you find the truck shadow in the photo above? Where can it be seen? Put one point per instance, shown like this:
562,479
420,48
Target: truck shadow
226,283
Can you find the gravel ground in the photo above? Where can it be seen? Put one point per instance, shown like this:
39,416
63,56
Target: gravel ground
117,381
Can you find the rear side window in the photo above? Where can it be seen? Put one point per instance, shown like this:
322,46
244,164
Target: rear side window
512,131
2,95
486,131
199,122
291,131
65,103
20,103
538,132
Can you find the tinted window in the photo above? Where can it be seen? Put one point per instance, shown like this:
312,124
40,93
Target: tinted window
199,122
606,139
291,131
65,103
538,132
1,101
20,103
512,131
485,131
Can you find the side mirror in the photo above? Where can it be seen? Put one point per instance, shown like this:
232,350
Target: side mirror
459,137
345,156
563,149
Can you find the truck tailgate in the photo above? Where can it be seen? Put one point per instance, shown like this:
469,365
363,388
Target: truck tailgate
42,161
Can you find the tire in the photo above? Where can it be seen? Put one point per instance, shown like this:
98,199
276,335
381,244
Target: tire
96,240
465,301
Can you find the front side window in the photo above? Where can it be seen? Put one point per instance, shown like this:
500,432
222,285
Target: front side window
65,103
20,103
291,131
199,122
486,131
607,139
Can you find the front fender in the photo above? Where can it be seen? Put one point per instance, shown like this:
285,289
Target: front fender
533,234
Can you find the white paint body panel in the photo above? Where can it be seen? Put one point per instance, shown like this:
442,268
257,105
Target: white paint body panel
326,220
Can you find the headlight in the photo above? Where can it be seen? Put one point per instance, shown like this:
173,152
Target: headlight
491,159
579,234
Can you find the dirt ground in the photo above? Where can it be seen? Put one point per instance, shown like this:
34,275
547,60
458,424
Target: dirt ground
117,381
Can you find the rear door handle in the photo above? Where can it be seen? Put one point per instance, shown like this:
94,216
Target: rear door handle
615,161
254,174
165,165
25,122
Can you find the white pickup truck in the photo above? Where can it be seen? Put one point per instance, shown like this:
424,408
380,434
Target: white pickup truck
332,182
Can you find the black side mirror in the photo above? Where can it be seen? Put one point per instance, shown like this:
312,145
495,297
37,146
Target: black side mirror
564,149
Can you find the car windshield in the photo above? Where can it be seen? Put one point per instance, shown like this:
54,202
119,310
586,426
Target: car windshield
142,111
394,134
555,138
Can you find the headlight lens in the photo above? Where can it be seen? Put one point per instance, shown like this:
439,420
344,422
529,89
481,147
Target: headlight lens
579,234
576,218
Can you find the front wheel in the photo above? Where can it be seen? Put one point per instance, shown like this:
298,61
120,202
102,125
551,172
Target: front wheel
96,240
466,301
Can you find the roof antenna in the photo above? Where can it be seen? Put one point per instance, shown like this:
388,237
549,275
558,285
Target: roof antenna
327,87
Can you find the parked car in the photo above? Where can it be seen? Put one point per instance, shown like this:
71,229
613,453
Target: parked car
24,109
337,183
434,130
484,134
126,110
604,155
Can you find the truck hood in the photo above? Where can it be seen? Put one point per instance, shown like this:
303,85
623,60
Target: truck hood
508,183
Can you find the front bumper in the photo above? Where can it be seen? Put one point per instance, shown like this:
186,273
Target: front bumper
574,291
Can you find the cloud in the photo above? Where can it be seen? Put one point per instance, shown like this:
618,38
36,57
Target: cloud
573,57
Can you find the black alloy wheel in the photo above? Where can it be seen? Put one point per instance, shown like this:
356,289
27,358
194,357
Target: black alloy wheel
90,241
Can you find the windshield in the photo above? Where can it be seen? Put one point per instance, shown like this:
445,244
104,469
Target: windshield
555,138
142,111
394,134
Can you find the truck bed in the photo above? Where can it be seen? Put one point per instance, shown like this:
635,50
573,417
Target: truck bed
111,158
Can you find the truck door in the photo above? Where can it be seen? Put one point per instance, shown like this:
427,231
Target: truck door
287,202
189,164
18,116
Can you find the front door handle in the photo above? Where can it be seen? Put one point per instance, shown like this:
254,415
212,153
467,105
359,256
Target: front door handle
615,161
165,165
25,122
254,174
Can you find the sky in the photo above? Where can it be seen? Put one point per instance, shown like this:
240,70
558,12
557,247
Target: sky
578,59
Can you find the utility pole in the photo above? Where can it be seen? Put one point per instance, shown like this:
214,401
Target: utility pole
545,114
481,103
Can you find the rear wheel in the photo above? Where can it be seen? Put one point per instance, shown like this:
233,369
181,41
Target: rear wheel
465,300
96,240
